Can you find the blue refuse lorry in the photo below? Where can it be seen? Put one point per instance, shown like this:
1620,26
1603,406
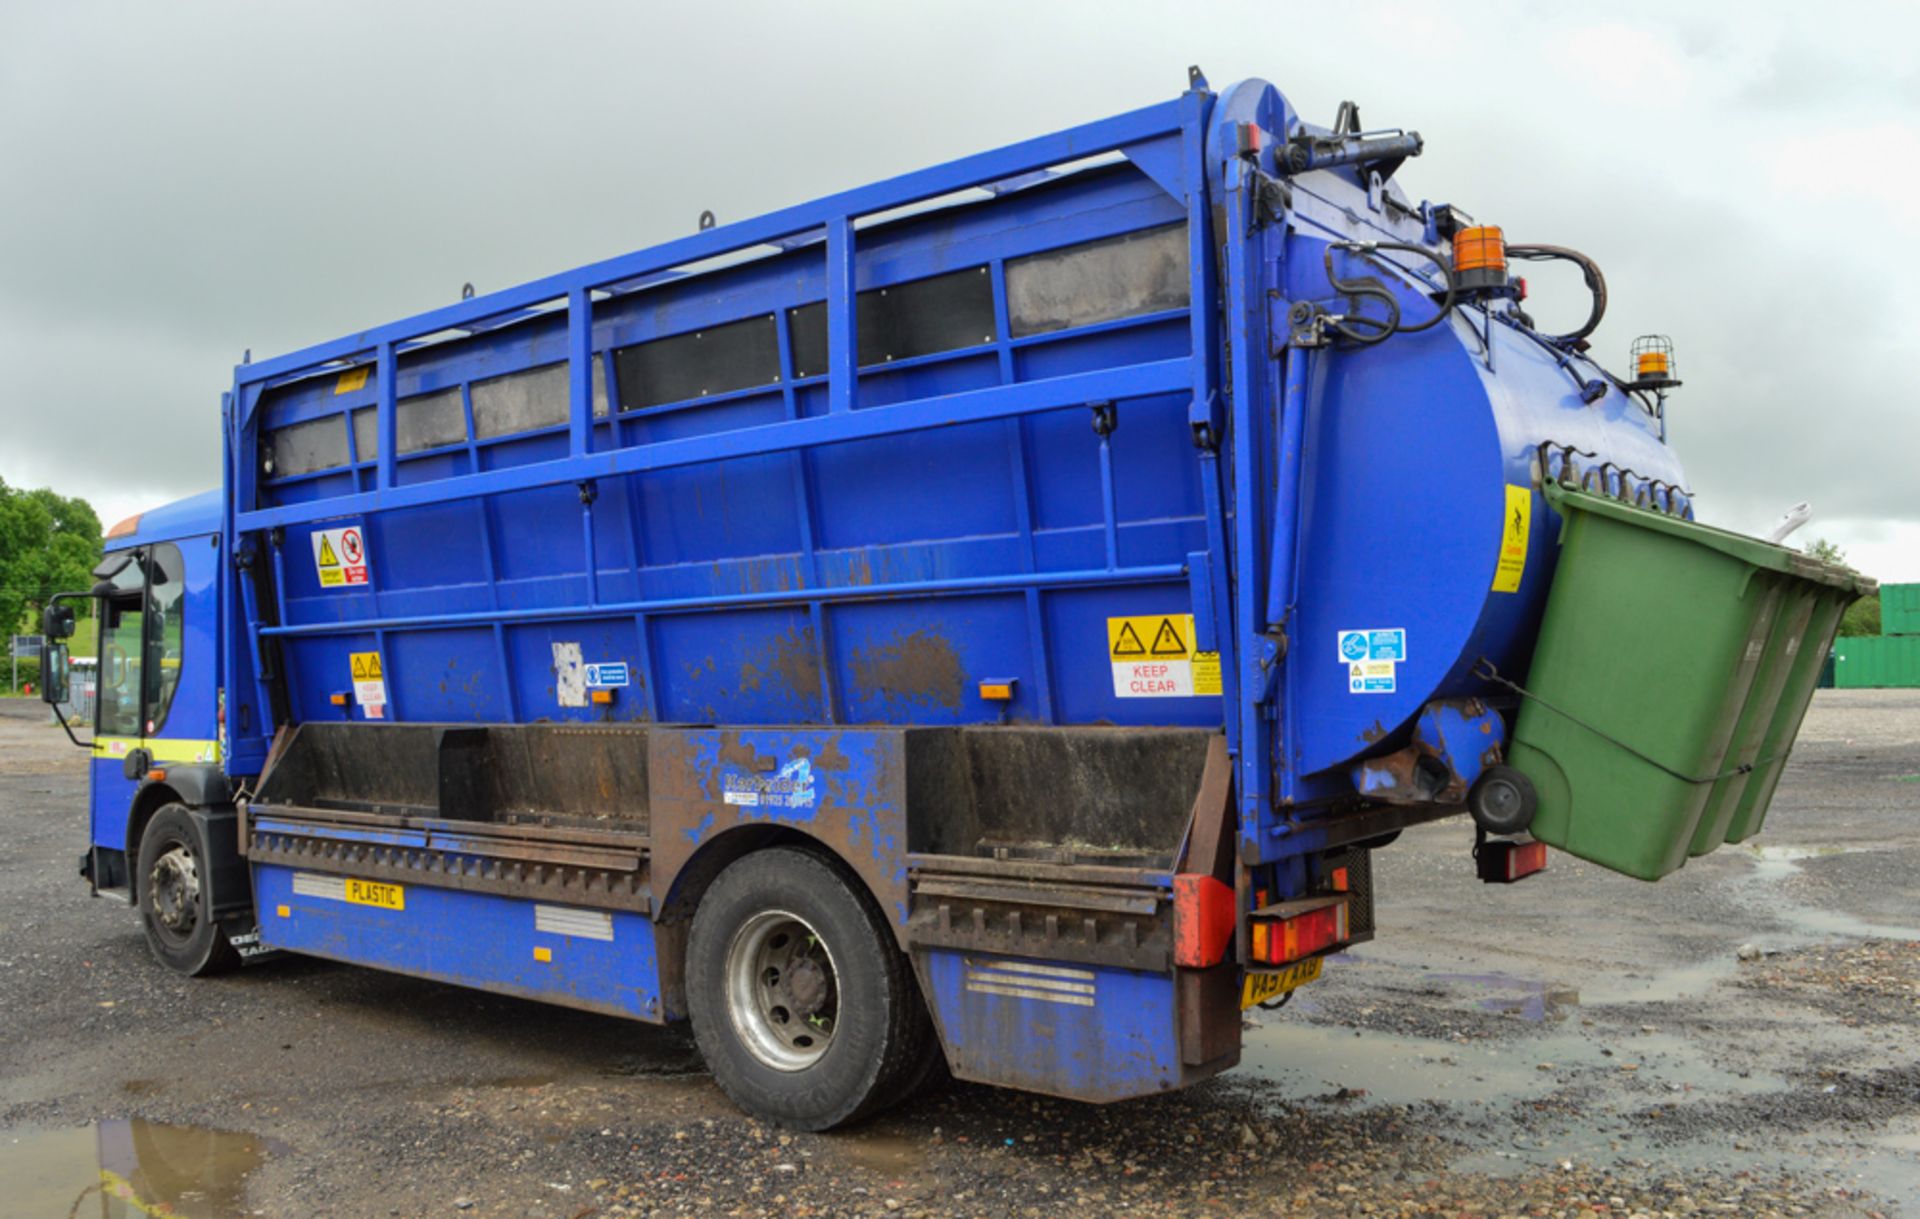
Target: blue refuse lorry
982,621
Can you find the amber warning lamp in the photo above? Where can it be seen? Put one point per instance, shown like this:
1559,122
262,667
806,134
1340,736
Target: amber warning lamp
1480,258
1653,363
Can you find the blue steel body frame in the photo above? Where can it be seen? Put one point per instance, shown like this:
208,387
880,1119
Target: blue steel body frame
1249,407
1169,142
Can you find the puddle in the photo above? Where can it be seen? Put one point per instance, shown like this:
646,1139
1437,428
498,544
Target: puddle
891,1156
1530,999
1776,863
1306,1062
1664,986
125,1169
1889,1164
1780,862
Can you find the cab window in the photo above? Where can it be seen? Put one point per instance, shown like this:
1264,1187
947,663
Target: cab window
141,639
166,627
122,645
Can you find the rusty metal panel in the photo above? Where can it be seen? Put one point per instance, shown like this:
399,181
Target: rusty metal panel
540,774
845,788
1060,895
1208,1010
1453,741
604,883
1210,836
1098,281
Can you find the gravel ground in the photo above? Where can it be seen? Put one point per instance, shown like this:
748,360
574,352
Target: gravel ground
1740,1039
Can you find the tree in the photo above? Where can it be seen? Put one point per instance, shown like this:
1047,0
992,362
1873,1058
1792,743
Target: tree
49,543
1863,616
1825,551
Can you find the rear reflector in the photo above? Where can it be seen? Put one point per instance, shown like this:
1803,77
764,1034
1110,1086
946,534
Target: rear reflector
1292,930
1202,920
1502,863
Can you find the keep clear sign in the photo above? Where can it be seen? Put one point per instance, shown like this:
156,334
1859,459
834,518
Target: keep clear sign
369,684
1154,656
340,556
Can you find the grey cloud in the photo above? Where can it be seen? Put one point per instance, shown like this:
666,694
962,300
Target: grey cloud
181,182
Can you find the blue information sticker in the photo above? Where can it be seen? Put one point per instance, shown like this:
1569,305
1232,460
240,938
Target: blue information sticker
1358,646
607,675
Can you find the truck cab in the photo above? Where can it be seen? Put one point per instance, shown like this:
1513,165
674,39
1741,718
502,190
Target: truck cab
156,729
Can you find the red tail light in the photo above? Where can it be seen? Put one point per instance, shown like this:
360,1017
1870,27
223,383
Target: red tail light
1293,930
1502,863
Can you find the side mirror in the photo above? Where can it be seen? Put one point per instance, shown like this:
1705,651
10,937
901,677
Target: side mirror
57,622
56,678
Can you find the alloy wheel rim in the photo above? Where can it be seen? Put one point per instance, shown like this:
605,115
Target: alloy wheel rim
783,990
173,893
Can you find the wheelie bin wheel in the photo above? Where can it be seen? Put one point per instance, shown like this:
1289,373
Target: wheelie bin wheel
1503,801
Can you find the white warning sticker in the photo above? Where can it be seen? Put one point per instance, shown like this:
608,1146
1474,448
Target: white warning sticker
1371,677
569,675
1153,656
340,556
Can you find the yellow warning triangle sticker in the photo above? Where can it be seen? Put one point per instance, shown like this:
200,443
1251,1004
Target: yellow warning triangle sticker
327,557
1129,643
1167,641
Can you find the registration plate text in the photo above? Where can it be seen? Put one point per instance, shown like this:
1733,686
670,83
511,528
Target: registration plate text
1259,988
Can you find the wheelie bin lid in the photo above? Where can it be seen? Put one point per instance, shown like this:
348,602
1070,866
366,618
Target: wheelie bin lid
1563,499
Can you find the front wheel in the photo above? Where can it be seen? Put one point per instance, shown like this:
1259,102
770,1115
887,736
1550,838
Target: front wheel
802,1004
176,903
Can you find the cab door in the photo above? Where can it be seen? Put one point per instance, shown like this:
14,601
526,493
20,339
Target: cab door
119,711
158,696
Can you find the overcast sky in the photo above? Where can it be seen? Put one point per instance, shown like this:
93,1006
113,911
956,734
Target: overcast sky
182,181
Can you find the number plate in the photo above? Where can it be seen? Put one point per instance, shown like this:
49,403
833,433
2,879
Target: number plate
376,893
1259,988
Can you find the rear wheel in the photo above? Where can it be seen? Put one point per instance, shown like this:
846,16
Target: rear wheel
176,902
802,1004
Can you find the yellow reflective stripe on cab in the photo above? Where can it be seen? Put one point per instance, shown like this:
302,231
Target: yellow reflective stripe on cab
162,749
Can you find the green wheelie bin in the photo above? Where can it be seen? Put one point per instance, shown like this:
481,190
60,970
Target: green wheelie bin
1674,664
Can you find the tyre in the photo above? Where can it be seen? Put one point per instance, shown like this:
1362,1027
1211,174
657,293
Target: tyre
930,1074
1503,801
175,901
803,1006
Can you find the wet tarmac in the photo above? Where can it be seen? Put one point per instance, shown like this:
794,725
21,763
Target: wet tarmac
1742,1038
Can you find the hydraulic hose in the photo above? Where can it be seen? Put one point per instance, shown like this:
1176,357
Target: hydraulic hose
1596,284
1357,327
1369,286
1446,272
